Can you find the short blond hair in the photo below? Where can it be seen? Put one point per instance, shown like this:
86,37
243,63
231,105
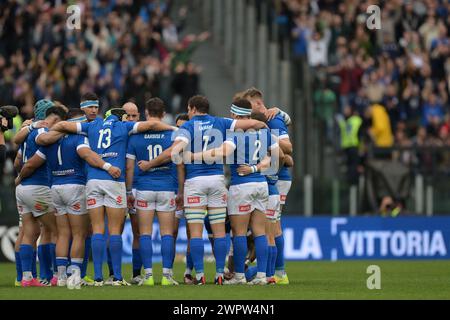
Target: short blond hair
252,93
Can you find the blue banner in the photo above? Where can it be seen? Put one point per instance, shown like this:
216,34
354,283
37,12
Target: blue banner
341,238
366,238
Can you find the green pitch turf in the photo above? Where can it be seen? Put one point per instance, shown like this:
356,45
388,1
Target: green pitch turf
309,280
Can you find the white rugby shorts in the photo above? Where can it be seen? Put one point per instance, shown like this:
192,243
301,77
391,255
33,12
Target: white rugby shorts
162,201
69,199
245,198
106,193
283,187
273,207
34,199
209,191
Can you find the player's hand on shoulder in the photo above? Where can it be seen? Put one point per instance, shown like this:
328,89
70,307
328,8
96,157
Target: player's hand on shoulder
272,113
114,172
244,170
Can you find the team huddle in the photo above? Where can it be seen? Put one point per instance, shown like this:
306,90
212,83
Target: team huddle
80,175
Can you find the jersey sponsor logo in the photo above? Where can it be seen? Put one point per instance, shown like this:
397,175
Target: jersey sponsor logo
119,200
142,203
76,206
283,197
192,200
91,202
40,206
245,208
270,212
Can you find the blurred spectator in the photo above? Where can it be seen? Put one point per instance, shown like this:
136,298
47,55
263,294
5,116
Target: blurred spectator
380,130
350,125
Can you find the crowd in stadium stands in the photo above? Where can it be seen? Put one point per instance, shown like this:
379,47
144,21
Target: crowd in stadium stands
125,50
396,78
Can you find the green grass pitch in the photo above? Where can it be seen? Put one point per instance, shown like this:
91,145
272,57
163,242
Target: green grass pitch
309,280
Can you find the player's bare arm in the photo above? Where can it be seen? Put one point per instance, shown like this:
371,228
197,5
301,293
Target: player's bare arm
48,138
286,146
165,157
29,168
66,127
246,124
22,135
94,160
181,173
218,153
129,175
288,161
152,125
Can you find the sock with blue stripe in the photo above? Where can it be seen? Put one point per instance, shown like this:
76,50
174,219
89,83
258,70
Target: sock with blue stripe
87,253
146,249
167,249
220,253
26,255
33,264
115,246
228,241
251,273
109,258
279,264
269,261
76,263
197,253
189,263
45,262
136,262
18,266
239,253
53,257
98,249
273,259
262,253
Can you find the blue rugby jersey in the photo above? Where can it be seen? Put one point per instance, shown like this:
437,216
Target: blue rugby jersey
63,161
250,148
109,139
278,123
204,132
29,148
148,146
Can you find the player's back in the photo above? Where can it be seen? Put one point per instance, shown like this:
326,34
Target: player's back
148,146
250,148
204,132
29,148
109,139
63,161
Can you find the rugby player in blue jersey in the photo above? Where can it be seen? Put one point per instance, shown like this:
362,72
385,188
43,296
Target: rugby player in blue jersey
109,139
283,181
155,193
248,195
205,192
65,163
34,202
